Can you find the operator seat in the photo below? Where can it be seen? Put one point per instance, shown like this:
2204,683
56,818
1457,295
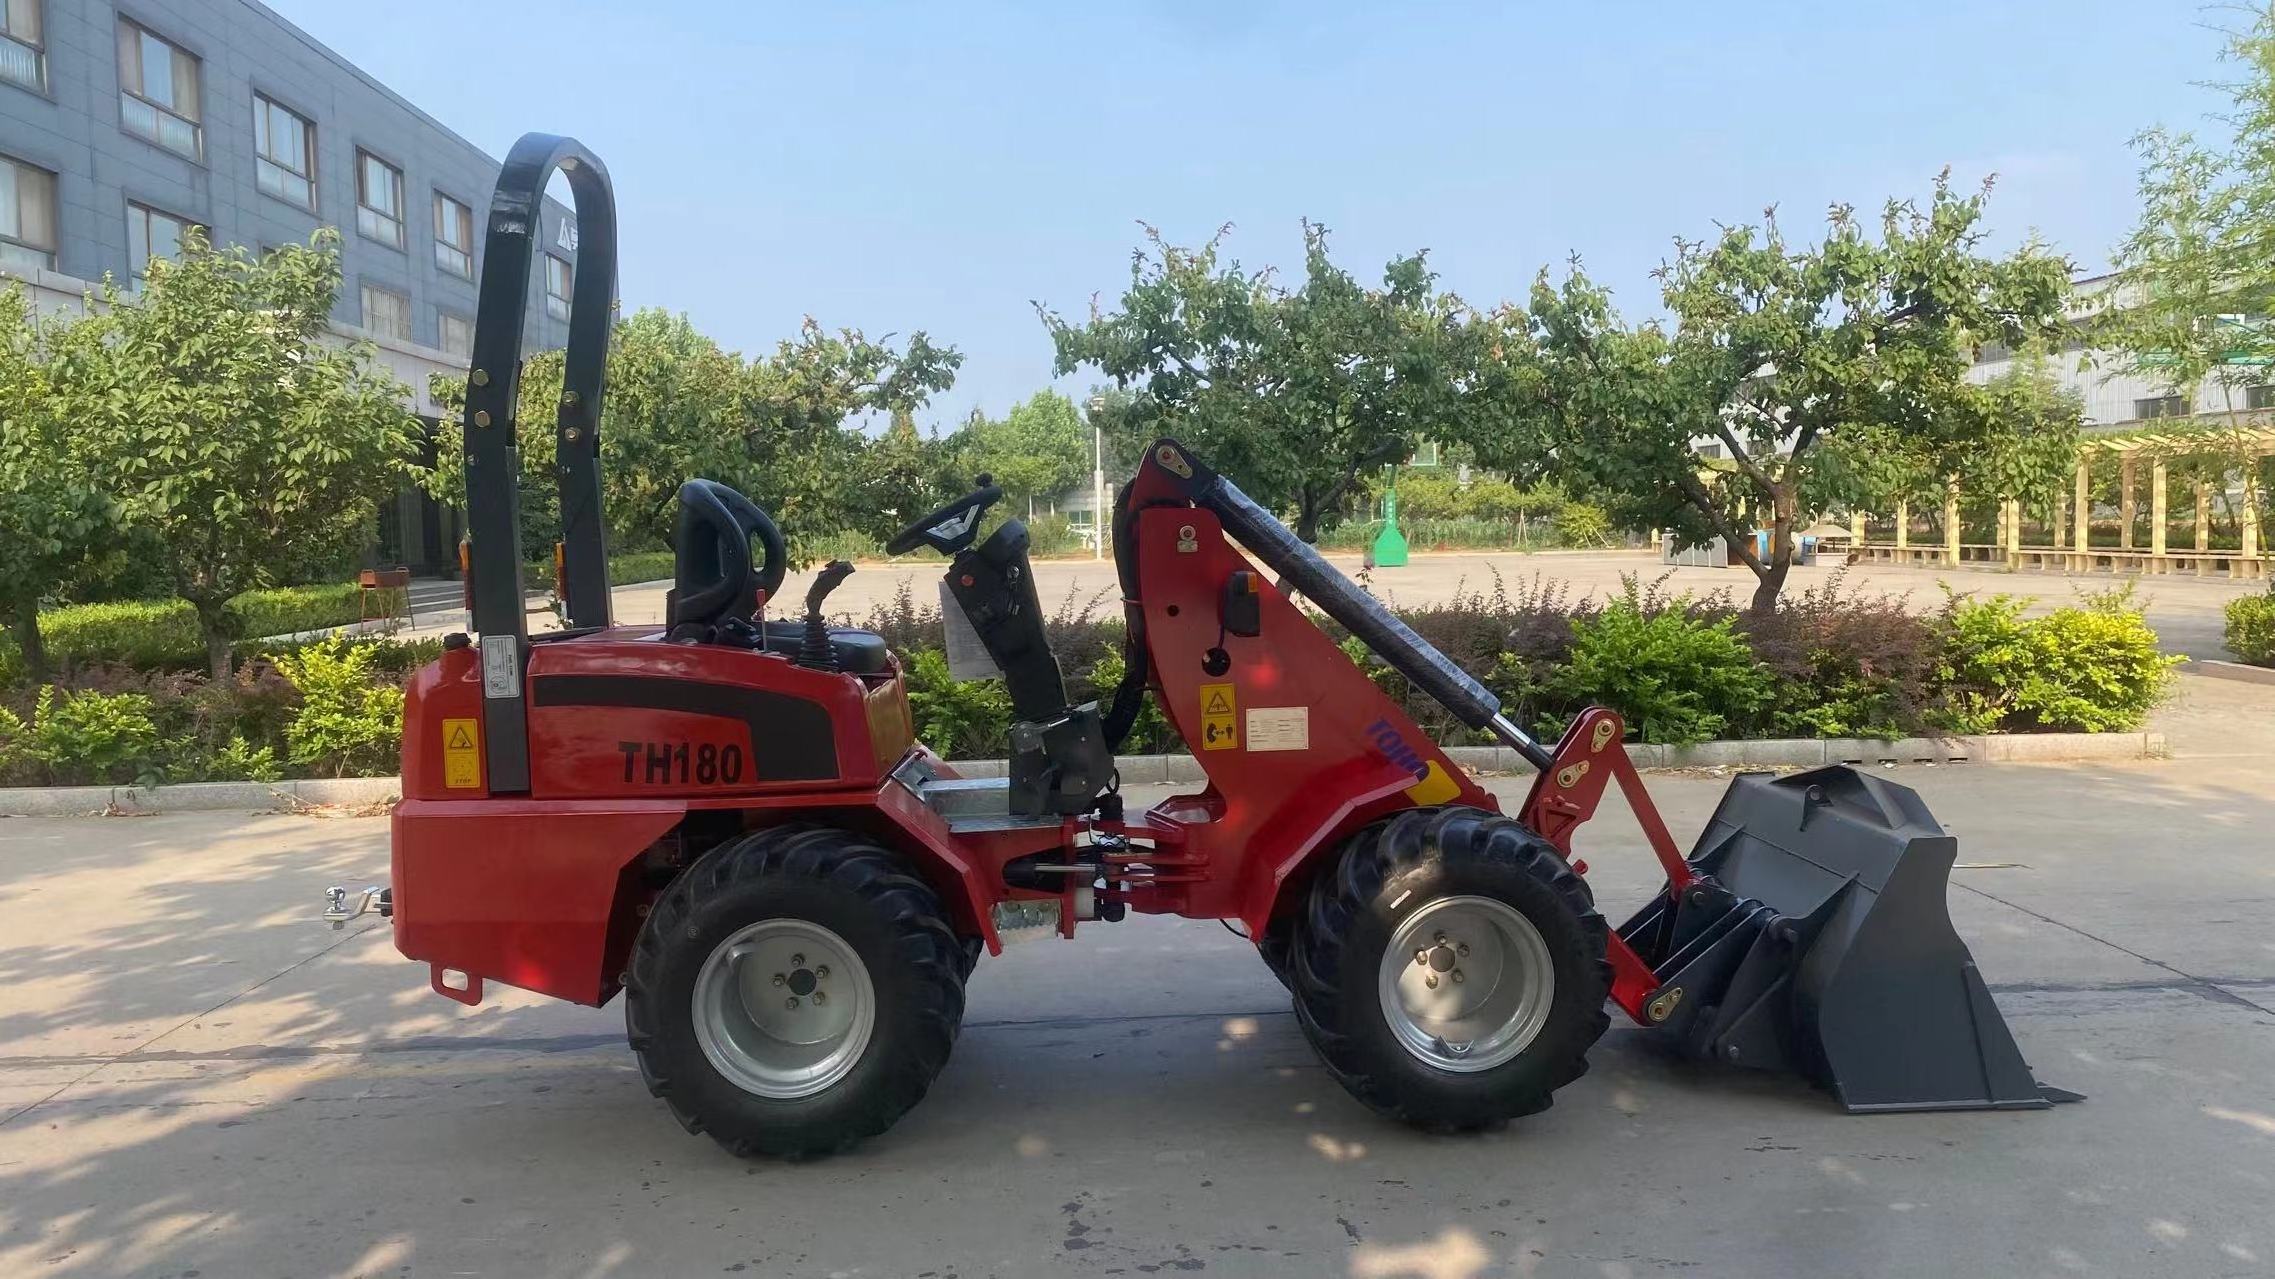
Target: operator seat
716,593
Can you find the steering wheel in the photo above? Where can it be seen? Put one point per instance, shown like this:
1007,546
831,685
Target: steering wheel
952,527
712,569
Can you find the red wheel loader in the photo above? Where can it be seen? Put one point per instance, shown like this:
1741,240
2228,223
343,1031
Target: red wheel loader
727,819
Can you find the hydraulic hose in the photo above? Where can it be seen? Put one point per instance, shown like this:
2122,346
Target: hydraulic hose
1363,615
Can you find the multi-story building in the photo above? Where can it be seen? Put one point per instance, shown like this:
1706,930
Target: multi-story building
122,124
2117,398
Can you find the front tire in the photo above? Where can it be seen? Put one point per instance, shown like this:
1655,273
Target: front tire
794,992
1449,969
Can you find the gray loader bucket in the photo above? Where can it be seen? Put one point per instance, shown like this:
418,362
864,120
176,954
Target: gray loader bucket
1817,940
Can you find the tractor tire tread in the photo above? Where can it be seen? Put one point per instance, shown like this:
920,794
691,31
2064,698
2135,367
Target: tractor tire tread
1321,941
928,950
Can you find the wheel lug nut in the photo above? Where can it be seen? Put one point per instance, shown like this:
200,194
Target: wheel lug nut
820,998
797,961
822,973
779,979
1440,939
791,1002
1421,957
1431,981
1462,950
1457,976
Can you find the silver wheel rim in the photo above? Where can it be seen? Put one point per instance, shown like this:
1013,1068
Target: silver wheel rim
784,1008
1467,983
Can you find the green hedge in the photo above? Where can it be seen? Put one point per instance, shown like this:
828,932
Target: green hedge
163,634
1681,668
2251,628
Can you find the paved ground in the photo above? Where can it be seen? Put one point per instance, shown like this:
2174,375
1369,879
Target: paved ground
2186,611
199,1079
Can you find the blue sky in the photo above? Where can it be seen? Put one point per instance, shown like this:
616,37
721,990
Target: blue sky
896,167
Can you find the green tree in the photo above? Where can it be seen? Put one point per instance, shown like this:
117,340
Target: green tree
2196,274
678,406
801,453
1786,380
233,428
54,515
1293,393
1040,450
901,476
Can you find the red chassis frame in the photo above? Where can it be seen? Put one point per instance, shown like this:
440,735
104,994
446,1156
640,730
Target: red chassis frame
547,890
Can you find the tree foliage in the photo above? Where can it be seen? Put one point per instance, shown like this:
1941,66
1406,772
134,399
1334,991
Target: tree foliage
1293,393
1786,379
232,428
2196,273
1036,452
54,514
781,428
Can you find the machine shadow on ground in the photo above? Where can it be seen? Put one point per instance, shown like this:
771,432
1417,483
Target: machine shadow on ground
195,1075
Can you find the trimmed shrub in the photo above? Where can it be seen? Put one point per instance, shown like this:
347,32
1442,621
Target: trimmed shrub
1847,666
349,723
2251,628
1677,679
2091,669
163,634
80,738
961,719
640,566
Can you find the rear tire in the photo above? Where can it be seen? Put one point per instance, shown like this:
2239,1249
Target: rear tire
1456,1056
770,1069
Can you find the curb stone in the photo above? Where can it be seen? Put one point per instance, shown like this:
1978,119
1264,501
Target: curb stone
1150,770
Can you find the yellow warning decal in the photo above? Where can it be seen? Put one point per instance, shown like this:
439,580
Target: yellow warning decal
462,754
1219,724
1437,788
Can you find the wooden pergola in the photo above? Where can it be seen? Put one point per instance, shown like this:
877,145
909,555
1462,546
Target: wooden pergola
2069,546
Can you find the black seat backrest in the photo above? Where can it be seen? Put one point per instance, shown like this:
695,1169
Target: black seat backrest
713,582
996,586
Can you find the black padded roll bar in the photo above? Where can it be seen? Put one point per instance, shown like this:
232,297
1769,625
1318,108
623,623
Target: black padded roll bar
493,464
1360,613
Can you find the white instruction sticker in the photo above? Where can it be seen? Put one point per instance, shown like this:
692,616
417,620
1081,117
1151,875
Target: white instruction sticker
501,666
1279,728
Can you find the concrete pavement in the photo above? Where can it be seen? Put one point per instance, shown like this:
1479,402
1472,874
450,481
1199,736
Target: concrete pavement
2186,611
199,1079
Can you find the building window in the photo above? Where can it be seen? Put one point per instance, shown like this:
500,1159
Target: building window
2259,397
158,90
284,153
23,56
387,313
2161,406
27,216
557,279
453,236
151,234
378,199
454,334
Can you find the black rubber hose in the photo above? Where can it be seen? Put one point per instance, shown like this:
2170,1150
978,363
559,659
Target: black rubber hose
1360,613
1129,695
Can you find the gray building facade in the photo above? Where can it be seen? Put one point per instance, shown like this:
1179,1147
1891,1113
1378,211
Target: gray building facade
121,123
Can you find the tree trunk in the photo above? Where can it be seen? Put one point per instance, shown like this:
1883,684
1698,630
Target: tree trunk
1307,523
23,619
1770,575
1769,581
212,625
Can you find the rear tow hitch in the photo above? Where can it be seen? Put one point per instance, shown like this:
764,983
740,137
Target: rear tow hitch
337,912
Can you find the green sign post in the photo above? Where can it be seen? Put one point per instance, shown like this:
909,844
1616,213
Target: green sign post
1390,544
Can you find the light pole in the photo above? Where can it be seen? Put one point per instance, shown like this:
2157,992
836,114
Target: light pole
1097,404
